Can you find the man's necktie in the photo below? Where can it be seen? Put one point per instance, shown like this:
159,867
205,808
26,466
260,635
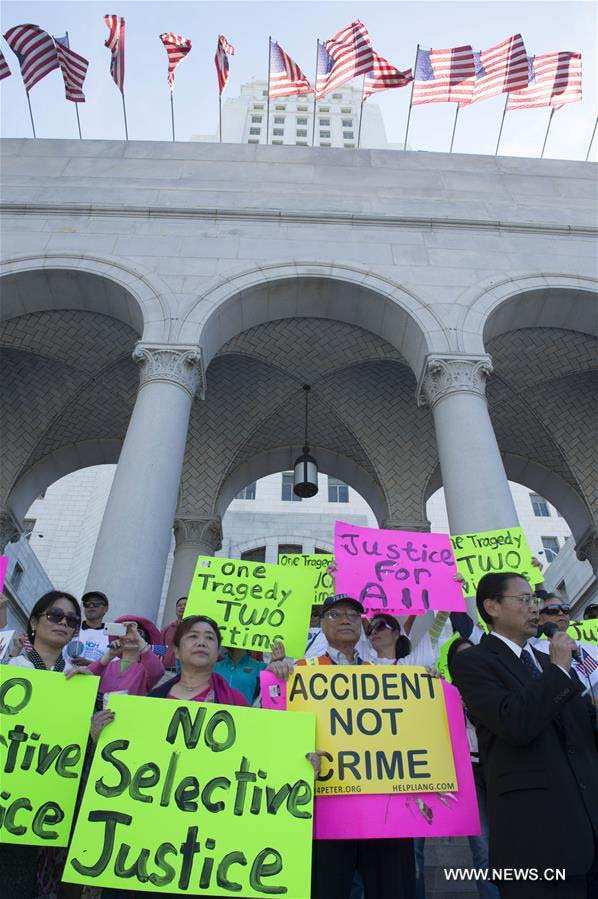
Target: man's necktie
529,664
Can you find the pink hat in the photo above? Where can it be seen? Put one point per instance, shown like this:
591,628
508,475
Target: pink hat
155,637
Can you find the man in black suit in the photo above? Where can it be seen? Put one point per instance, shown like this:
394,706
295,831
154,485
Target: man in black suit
537,746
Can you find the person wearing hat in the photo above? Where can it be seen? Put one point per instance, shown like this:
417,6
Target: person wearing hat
92,634
129,665
590,612
387,867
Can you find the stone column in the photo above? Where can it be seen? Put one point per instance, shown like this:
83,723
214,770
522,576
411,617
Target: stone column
406,524
134,539
473,475
193,537
9,530
586,549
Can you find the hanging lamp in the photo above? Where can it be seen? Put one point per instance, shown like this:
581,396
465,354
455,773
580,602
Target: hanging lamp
305,478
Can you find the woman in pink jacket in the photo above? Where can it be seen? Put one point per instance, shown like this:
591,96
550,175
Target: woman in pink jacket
129,665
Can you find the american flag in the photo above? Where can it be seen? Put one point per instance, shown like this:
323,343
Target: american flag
177,48
499,70
35,51
116,45
323,69
286,78
587,665
384,76
73,68
4,70
443,76
221,61
351,53
554,79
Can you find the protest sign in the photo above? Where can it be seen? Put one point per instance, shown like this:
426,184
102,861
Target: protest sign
398,572
363,817
503,550
44,726
318,584
195,798
3,566
384,729
582,631
253,603
5,641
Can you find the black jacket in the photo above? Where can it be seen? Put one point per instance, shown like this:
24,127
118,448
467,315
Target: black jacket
538,750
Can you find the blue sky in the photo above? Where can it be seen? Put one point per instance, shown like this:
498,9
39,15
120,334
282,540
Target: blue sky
395,29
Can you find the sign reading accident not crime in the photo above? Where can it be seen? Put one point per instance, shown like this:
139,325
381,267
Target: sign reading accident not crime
398,572
384,729
252,602
503,550
195,798
44,726
319,584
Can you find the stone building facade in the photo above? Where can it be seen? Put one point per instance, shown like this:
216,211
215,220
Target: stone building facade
164,303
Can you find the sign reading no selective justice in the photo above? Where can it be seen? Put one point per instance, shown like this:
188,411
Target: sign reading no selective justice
44,726
384,730
195,798
253,603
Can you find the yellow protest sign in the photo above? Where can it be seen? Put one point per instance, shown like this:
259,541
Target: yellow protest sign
503,550
583,631
384,729
318,583
253,603
44,726
195,798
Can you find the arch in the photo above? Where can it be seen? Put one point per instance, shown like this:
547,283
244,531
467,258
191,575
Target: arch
541,480
90,283
335,291
299,539
527,301
282,458
57,465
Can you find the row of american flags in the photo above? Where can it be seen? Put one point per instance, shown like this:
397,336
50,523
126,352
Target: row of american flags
460,75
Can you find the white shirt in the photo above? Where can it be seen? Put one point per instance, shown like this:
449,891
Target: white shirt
514,647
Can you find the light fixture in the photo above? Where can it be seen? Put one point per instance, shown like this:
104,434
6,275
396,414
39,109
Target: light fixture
305,478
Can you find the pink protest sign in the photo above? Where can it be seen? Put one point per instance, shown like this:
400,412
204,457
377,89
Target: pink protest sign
415,815
398,572
3,566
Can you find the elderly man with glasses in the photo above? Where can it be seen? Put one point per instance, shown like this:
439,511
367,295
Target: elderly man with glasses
537,746
387,867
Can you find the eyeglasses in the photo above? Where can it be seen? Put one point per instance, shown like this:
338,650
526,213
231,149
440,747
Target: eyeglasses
93,604
556,609
55,616
528,599
349,614
379,626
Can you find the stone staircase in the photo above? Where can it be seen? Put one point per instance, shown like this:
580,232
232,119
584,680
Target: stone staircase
447,852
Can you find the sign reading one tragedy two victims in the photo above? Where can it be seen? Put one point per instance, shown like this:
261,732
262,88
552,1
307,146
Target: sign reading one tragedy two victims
502,550
198,799
253,603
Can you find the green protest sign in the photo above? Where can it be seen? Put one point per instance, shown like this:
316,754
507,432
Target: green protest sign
502,550
583,631
195,798
253,603
318,584
44,726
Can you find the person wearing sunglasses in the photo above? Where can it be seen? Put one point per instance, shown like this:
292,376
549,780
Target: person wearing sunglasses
384,633
54,621
92,634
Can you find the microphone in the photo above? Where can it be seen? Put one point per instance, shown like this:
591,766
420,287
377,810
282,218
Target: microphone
549,630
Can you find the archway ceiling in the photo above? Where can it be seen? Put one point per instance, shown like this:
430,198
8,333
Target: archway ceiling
64,376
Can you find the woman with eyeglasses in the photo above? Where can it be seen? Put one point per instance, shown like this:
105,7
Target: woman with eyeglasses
54,621
384,633
395,647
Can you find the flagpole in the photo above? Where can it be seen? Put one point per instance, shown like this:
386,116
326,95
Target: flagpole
122,94
361,113
172,111
592,139
220,115
502,121
454,129
30,112
411,98
547,130
76,104
313,129
268,106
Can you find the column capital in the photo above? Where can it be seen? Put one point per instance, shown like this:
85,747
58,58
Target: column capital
178,364
9,529
403,524
586,549
195,531
450,374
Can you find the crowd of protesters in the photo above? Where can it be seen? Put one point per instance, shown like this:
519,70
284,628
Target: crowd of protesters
515,729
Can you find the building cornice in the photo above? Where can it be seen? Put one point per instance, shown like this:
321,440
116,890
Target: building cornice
315,217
